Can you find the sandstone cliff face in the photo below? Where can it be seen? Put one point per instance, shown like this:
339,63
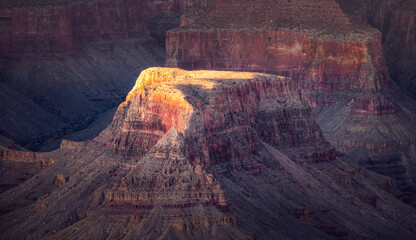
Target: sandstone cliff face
209,155
376,106
64,27
20,156
165,177
72,60
322,51
396,20
18,166
215,111
340,63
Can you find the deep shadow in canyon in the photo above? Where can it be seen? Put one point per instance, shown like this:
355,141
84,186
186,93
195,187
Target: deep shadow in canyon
325,148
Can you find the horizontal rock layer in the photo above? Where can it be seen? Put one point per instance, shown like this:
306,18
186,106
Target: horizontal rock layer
397,22
28,157
65,26
223,115
317,63
310,41
375,106
233,153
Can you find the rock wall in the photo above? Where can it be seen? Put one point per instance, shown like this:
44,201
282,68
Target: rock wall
72,60
235,152
311,41
223,116
375,106
27,157
397,22
49,28
322,63
70,144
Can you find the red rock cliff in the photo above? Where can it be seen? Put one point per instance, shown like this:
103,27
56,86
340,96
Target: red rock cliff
64,26
311,41
397,22
223,115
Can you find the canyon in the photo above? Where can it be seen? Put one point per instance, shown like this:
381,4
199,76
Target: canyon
270,120
336,57
259,169
55,57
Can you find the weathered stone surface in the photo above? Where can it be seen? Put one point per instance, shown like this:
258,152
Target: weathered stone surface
64,62
30,157
397,22
165,177
376,131
50,27
60,180
222,114
376,106
294,39
70,144
340,63
213,172
18,166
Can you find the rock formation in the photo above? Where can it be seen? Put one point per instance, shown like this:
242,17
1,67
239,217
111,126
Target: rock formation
63,26
70,61
188,156
396,20
311,41
338,60
18,166
157,103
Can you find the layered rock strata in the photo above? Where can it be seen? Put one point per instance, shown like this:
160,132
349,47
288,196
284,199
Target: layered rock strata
396,20
55,58
188,156
262,106
375,131
293,39
18,166
336,58
64,26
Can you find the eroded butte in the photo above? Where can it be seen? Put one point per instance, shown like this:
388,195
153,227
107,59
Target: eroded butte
204,154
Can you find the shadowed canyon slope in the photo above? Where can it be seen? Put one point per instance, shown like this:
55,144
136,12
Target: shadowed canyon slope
66,62
337,59
396,19
206,154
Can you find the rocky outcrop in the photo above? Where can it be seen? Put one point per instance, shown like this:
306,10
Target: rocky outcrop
159,179
27,157
18,166
60,180
397,22
340,63
191,102
64,62
233,152
70,144
376,132
375,106
293,39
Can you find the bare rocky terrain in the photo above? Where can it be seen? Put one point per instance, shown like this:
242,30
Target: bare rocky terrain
336,57
63,63
305,130
202,174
